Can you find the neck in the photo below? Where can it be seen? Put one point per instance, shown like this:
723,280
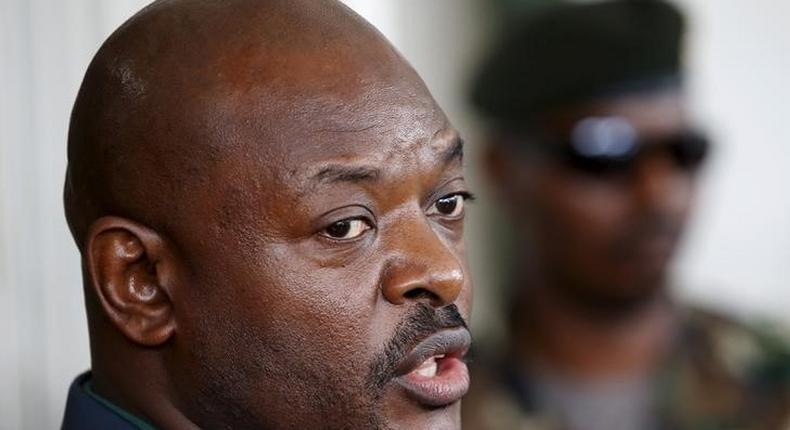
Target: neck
135,380
555,334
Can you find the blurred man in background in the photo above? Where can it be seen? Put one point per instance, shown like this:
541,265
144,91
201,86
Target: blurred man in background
595,158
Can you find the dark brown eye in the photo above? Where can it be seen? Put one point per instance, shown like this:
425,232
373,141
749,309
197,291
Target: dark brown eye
449,206
346,229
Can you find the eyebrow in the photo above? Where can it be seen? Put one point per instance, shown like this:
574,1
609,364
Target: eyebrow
455,151
335,173
339,173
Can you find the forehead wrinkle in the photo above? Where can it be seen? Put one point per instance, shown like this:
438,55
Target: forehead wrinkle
442,152
380,108
333,172
440,149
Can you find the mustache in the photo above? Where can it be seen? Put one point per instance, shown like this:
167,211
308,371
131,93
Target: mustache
650,228
422,321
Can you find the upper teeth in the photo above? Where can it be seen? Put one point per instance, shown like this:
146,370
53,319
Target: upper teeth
429,367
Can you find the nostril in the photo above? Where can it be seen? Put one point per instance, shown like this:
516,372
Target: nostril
420,293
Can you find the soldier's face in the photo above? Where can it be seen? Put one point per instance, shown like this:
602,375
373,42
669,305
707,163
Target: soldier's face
608,231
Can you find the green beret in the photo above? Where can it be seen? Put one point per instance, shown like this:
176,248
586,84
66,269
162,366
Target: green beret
569,52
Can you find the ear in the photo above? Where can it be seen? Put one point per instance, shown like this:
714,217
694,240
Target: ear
130,269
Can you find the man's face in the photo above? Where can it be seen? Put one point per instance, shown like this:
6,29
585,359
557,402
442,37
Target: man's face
607,234
329,283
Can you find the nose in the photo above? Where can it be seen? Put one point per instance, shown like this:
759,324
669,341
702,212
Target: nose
421,266
661,187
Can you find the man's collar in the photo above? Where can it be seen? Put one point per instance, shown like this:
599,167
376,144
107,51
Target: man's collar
86,409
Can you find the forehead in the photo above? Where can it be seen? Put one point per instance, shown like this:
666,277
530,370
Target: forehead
385,124
651,113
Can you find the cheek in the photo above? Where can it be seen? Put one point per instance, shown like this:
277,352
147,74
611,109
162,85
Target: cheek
281,333
683,197
323,310
580,211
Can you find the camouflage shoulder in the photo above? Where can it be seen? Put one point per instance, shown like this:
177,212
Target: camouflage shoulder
490,405
747,349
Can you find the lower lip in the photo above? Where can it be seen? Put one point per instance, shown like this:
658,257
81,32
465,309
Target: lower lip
449,384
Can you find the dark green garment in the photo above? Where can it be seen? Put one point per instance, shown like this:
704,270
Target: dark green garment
128,416
85,409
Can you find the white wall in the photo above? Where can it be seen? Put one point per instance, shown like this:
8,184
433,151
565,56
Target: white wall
738,254
45,46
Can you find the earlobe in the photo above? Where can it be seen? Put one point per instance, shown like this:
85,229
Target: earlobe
126,261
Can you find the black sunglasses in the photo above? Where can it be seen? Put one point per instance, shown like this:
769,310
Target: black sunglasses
605,146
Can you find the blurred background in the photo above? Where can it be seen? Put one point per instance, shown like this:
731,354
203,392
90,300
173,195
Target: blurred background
736,255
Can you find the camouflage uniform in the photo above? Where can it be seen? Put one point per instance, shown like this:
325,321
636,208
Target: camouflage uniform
721,375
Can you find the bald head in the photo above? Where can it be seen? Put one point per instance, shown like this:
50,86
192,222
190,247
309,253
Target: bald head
167,94
269,206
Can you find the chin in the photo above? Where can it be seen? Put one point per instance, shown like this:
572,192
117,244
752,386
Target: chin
436,418
402,411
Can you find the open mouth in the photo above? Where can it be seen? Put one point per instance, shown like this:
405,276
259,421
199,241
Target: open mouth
434,373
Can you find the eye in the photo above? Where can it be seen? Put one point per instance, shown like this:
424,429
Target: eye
451,206
346,229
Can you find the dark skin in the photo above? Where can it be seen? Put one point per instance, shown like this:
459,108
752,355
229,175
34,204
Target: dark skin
263,193
594,299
